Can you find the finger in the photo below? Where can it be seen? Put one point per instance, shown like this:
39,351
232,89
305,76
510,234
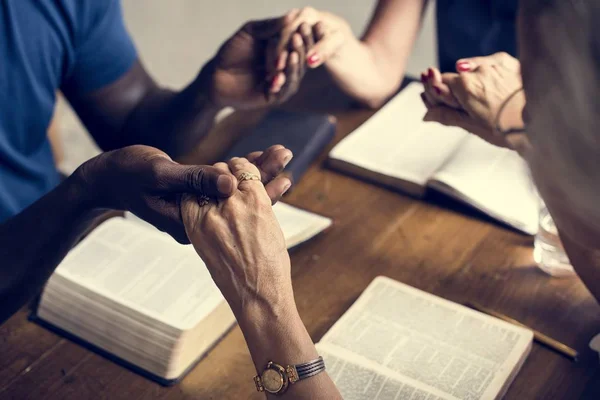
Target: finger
291,23
429,94
456,83
172,177
442,91
278,187
281,61
273,161
222,166
425,101
278,80
307,36
318,31
472,63
298,47
240,166
292,78
254,156
324,49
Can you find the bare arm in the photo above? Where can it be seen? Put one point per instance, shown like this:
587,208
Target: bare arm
243,247
134,109
372,69
36,240
368,69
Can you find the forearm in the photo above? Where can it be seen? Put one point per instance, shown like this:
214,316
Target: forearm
361,74
35,241
372,69
172,121
275,332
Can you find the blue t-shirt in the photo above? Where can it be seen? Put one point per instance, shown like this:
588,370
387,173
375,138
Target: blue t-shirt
76,46
470,28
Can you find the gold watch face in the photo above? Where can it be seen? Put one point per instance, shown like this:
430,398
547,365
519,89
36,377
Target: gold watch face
272,380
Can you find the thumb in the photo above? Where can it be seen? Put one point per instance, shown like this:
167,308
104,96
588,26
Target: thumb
325,48
204,179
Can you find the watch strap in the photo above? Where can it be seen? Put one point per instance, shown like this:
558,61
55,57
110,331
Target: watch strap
306,370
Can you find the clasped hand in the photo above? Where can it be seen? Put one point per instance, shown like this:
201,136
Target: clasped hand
145,181
241,242
473,97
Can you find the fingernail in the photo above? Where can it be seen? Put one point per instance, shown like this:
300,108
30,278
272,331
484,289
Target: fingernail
463,66
423,77
225,184
312,60
437,90
286,188
430,73
287,160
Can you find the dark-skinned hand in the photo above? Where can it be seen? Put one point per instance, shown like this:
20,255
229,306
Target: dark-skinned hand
147,182
241,73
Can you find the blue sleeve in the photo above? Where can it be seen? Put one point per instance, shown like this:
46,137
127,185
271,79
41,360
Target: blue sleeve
103,49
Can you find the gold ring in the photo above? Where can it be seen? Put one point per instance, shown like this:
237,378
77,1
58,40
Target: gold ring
248,176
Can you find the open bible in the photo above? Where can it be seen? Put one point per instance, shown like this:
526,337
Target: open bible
137,296
398,342
395,148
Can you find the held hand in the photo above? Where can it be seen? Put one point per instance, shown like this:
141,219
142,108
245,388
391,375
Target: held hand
472,98
323,35
238,77
145,181
241,242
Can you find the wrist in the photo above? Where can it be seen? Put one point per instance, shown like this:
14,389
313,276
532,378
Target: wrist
276,333
79,195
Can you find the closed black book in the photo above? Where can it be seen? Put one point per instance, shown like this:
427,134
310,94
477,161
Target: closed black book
306,135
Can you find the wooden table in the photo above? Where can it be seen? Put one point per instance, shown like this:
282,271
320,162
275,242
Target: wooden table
430,245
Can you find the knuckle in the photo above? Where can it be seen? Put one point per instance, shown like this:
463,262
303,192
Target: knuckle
195,177
156,171
502,55
308,10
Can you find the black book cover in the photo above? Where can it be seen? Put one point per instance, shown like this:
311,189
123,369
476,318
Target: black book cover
306,135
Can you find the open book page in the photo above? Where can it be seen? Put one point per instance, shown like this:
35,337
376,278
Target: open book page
145,271
358,378
297,225
493,180
397,143
430,340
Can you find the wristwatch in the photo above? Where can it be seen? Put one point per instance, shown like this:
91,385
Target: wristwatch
275,379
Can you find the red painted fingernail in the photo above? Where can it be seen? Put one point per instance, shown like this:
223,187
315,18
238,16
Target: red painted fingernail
437,90
463,66
313,59
430,73
423,77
